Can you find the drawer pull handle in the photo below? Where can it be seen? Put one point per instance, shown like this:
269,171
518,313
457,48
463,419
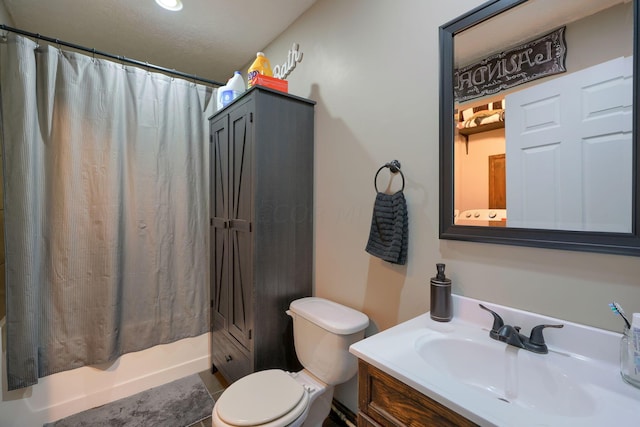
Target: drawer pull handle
228,358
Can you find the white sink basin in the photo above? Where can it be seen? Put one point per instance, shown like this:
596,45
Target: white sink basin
533,381
577,383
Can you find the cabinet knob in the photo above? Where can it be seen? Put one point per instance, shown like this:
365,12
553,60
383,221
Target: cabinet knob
228,358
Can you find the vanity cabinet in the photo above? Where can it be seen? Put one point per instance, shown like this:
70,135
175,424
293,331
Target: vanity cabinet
261,228
385,401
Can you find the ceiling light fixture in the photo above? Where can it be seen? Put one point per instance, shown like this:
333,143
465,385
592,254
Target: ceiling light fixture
174,5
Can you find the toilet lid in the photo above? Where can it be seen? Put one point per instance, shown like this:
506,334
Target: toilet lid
259,398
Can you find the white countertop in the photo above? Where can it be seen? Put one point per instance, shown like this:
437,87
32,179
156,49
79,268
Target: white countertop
577,384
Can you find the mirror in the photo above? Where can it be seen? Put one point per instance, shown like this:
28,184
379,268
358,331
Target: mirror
538,125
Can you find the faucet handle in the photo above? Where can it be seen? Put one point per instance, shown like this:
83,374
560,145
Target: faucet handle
497,322
536,336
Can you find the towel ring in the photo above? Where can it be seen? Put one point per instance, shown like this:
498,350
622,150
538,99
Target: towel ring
394,167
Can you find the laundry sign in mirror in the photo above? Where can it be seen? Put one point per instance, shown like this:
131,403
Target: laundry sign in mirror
537,58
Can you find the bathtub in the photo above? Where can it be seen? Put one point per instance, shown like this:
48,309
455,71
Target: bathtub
60,395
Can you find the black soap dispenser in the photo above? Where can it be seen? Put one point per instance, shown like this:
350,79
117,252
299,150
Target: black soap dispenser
441,305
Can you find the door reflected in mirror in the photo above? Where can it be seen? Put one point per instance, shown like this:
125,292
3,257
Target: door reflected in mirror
553,151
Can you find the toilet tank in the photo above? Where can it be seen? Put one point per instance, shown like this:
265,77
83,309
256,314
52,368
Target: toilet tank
322,333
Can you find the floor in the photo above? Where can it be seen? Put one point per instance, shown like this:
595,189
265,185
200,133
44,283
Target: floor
216,384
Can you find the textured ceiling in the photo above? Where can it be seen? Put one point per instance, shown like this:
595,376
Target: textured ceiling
208,38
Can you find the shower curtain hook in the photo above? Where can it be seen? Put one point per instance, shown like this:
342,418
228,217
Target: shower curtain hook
93,55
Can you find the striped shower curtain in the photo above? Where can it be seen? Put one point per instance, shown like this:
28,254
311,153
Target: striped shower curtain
105,186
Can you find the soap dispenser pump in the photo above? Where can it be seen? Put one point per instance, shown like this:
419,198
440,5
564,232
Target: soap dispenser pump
441,305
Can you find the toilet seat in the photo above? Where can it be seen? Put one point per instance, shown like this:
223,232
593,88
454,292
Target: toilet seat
261,399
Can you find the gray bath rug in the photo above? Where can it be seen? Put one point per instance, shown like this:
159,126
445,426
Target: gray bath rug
176,404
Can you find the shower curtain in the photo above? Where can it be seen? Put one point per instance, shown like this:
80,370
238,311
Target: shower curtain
105,192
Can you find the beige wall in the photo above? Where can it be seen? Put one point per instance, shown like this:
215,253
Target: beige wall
4,15
377,100
372,67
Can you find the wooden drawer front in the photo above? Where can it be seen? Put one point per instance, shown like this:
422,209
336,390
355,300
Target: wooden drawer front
391,403
232,362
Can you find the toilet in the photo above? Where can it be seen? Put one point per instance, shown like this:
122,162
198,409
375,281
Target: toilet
322,333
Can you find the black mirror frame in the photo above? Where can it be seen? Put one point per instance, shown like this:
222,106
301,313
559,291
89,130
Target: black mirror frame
611,243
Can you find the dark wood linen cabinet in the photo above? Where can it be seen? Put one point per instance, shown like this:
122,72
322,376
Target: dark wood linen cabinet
261,229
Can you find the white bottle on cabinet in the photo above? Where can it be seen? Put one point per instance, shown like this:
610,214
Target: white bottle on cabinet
233,89
236,84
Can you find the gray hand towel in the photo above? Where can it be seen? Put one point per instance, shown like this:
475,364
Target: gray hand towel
389,234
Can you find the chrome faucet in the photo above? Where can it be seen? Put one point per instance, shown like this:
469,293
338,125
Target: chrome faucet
512,336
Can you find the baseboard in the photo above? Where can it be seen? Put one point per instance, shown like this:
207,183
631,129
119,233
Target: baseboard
342,415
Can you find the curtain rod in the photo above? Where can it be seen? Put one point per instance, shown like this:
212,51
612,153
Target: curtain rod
109,55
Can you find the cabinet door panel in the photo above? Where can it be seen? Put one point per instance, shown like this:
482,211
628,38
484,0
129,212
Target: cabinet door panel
219,240
240,308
